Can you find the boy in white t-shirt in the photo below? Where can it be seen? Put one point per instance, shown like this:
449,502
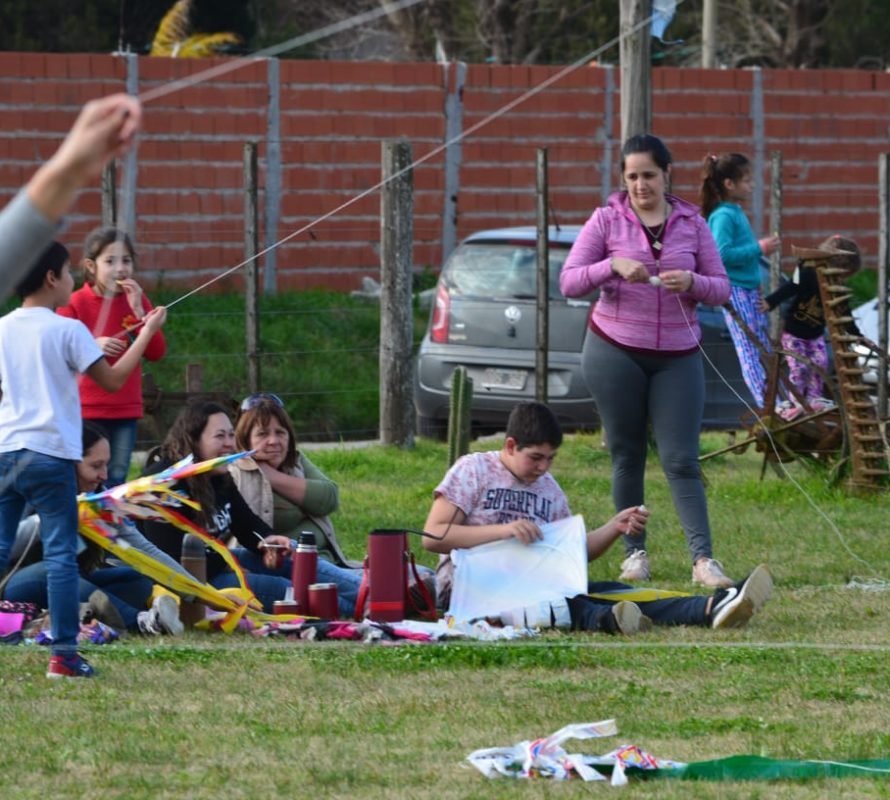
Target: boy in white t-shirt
508,493
41,355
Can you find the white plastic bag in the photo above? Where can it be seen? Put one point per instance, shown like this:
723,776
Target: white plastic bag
500,576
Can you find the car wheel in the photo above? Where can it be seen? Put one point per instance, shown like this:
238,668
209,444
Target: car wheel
431,428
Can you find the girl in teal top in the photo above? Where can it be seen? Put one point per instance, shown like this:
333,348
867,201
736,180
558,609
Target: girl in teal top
727,182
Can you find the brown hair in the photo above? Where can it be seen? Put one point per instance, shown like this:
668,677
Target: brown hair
262,414
95,243
851,261
534,423
715,170
182,440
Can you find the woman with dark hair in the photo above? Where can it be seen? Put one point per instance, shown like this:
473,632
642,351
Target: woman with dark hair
654,260
204,430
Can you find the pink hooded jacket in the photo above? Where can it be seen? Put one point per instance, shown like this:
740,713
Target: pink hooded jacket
639,315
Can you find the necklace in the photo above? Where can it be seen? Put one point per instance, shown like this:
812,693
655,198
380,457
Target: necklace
654,235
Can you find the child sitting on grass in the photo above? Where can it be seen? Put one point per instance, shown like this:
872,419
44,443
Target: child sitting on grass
486,497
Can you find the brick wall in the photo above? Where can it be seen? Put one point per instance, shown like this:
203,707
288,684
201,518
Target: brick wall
331,118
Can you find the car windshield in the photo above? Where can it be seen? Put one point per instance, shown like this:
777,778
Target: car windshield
501,269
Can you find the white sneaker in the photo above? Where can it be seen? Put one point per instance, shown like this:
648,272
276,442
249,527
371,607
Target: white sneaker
161,618
709,572
733,607
788,411
635,567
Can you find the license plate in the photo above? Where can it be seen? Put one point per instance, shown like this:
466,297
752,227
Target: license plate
513,379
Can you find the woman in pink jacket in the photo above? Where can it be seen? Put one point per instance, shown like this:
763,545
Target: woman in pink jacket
653,259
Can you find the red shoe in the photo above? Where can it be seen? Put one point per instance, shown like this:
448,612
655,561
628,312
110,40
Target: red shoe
72,666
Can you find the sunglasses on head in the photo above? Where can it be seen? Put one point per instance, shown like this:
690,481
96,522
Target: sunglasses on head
253,400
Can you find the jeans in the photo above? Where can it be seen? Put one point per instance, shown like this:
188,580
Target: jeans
48,484
346,580
122,438
127,590
595,613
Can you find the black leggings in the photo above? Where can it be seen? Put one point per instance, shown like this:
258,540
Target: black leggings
632,390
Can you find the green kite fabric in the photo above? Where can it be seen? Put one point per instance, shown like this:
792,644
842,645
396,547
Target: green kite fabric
756,768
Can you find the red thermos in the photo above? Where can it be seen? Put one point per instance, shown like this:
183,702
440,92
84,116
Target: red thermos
389,574
305,569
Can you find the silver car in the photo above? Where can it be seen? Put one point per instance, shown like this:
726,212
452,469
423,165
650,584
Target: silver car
483,318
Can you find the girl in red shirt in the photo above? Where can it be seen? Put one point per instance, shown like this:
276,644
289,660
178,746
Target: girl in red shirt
112,304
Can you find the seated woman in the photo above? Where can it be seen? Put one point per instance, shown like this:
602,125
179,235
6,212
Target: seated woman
282,486
117,595
204,430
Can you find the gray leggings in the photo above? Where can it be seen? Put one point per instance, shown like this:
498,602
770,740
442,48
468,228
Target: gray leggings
631,390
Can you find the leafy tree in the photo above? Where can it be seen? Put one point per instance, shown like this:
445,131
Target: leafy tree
857,33
788,33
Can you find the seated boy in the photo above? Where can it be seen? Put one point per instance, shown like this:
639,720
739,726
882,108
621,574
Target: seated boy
506,494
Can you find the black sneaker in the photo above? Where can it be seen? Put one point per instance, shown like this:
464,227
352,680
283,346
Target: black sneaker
733,607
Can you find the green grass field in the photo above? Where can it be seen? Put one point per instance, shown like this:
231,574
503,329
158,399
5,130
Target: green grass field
211,716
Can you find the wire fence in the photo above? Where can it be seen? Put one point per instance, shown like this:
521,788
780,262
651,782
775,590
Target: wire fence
319,352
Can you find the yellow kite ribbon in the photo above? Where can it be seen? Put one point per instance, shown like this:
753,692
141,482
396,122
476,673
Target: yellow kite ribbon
150,497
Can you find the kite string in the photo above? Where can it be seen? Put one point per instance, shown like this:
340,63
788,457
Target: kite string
759,421
354,21
546,83
359,19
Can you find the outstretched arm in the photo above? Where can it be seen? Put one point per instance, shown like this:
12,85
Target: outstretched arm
28,223
629,521
103,129
112,377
